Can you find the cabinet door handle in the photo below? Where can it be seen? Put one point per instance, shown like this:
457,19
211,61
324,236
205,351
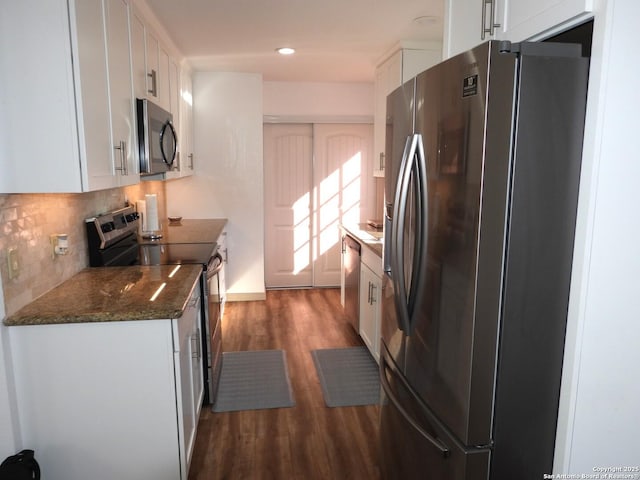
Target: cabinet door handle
369,294
154,83
194,347
122,146
492,17
191,161
381,161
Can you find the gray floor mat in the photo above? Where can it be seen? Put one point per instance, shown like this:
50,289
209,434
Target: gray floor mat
348,376
253,380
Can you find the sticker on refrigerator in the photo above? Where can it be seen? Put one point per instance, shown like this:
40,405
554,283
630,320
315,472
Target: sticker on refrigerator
470,86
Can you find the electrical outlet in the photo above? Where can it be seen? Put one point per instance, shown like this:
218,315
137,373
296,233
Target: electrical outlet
13,263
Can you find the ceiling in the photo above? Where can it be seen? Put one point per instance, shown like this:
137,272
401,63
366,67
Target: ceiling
335,40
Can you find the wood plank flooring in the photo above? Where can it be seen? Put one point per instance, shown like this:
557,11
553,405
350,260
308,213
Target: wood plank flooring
309,441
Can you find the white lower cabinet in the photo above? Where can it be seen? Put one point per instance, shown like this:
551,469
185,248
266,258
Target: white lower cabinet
188,366
370,298
112,399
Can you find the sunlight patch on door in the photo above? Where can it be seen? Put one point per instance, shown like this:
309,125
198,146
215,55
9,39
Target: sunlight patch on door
339,202
301,234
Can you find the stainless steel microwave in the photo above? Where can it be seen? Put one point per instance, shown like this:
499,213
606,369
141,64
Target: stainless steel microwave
157,139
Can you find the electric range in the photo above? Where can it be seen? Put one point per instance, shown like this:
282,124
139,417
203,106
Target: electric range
113,240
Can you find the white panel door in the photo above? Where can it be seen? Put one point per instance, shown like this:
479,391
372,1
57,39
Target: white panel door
288,186
343,191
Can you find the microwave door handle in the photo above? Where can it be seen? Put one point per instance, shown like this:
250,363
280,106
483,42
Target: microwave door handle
163,132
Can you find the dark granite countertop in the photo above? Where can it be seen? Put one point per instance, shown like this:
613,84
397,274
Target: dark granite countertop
366,235
189,231
113,294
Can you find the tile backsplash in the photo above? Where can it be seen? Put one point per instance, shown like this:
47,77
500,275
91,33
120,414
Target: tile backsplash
28,220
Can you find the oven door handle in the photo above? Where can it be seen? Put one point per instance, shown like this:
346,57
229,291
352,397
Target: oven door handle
214,265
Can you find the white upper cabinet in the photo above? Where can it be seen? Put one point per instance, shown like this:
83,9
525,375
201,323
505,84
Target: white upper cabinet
182,111
157,60
67,122
123,131
139,56
157,76
174,108
463,25
186,123
164,78
152,66
523,19
401,66
174,91
471,22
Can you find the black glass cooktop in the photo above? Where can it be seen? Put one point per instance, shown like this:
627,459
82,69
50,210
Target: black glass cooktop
175,253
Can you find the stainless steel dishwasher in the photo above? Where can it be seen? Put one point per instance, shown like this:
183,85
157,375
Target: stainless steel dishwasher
351,249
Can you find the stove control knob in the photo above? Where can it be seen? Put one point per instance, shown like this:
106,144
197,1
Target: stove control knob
108,227
130,217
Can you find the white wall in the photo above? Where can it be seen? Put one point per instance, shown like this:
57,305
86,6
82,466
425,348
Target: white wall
227,181
228,177
9,428
319,101
599,418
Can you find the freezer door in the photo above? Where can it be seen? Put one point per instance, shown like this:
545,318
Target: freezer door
391,335
451,347
414,445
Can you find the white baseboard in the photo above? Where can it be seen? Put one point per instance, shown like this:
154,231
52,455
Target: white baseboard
246,296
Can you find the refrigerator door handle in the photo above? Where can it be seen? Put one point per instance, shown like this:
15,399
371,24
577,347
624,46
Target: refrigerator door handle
384,382
397,235
419,274
413,166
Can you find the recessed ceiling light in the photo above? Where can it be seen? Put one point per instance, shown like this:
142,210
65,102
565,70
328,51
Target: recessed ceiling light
285,51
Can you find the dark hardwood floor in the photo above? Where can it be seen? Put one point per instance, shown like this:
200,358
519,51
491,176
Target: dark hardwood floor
309,441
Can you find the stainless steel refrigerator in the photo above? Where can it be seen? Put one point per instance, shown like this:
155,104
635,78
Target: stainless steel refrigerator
483,164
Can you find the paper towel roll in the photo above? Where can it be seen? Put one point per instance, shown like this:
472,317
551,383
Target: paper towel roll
153,224
141,206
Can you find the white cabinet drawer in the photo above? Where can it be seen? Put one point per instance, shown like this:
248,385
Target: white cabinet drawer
372,260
